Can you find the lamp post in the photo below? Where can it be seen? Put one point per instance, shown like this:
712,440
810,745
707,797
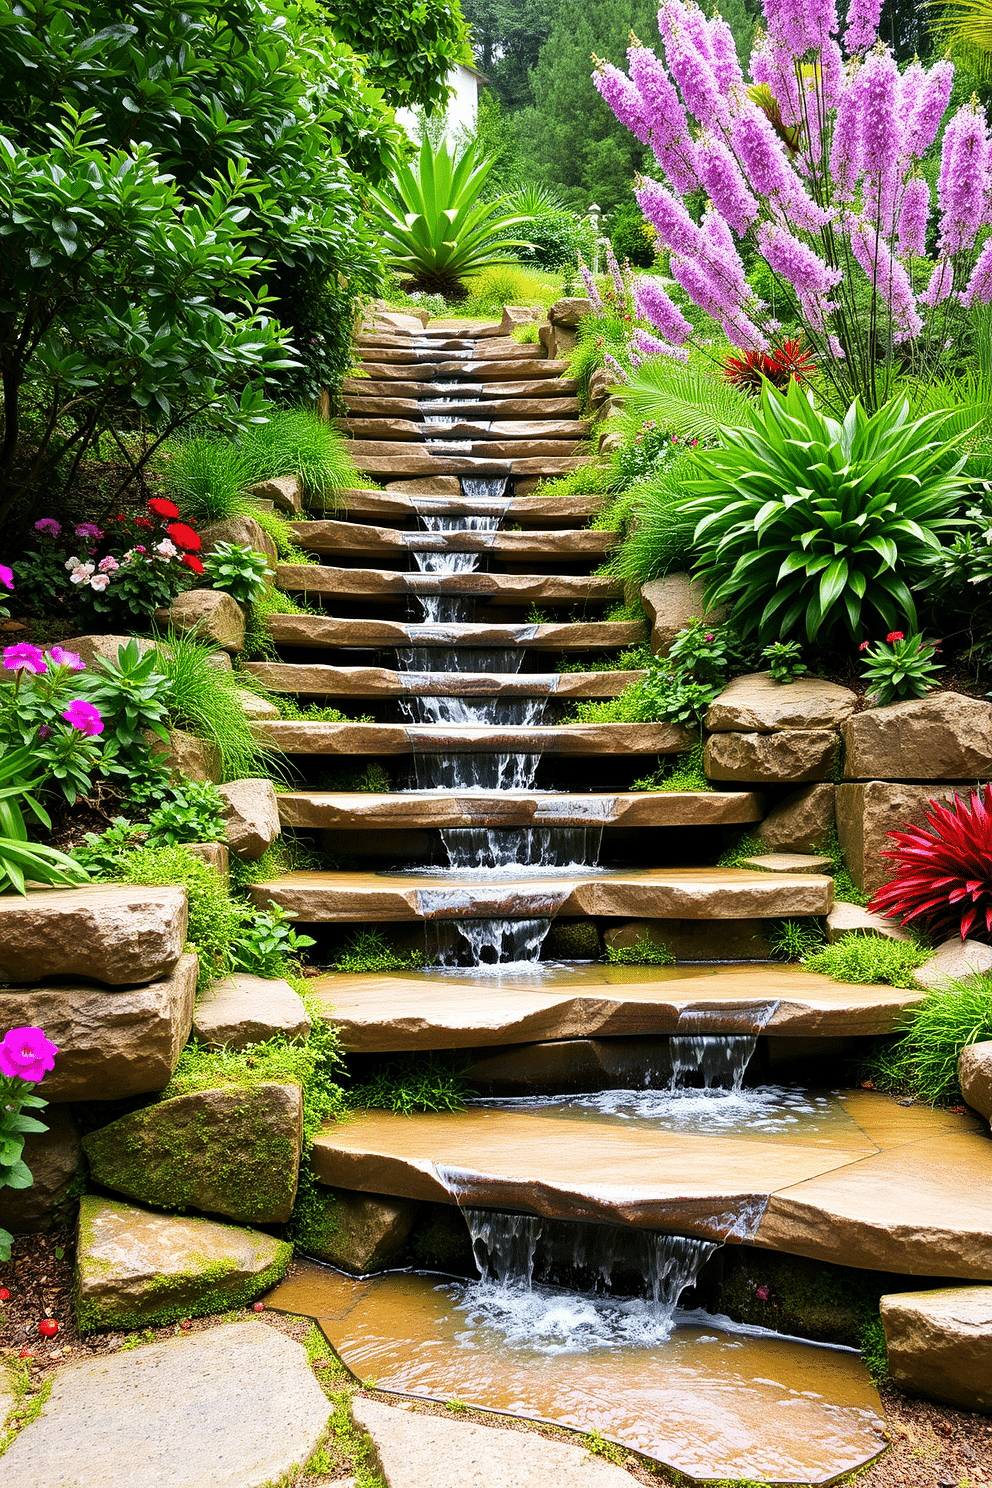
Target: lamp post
593,218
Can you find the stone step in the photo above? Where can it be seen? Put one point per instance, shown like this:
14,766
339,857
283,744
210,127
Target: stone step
382,1012
316,680
885,1187
315,809
655,893
517,369
506,409
298,736
447,350
528,511
461,426
396,467
387,585
399,384
364,450
371,635
329,536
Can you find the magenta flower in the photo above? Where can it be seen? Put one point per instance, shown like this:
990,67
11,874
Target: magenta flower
665,116
979,286
651,346
930,101
913,218
888,274
88,529
724,184
85,717
26,1054
862,25
964,165
61,657
48,526
674,226
6,576
24,658
623,98
654,305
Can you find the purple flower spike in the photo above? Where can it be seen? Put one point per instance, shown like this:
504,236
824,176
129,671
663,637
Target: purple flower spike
26,1054
85,717
24,658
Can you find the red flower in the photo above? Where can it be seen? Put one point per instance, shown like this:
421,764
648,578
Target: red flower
864,645
191,561
788,361
183,537
943,878
163,508
143,522
895,635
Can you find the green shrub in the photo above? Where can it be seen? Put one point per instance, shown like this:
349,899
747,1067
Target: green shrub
689,399
215,920
258,639
496,287
238,570
644,952
413,1082
923,1061
205,702
868,959
368,950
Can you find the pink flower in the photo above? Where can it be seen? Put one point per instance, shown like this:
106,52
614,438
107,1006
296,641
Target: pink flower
862,25
913,218
761,1293
864,645
107,565
654,305
931,96
964,164
665,116
26,1054
24,658
623,98
99,582
85,717
49,526
6,576
81,573
651,346
979,286
61,657
669,217
724,184
88,529
44,731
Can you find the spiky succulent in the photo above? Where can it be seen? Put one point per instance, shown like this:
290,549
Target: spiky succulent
943,879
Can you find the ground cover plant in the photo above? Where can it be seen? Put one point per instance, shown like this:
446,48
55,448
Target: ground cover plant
866,959
923,1060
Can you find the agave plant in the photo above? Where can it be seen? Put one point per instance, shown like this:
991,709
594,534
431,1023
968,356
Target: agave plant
943,879
808,523
434,227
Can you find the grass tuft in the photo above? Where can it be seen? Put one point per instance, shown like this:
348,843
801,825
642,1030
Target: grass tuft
369,951
205,702
793,940
923,1061
683,772
865,960
644,952
413,1082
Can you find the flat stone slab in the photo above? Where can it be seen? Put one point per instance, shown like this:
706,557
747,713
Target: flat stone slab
490,407
881,1186
428,1452
236,1406
789,862
239,1010
329,536
110,932
939,1344
385,584
528,510
405,386
464,427
371,635
298,736
517,809
316,680
657,893
112,1044
376,1013
393,466
758,704
134,1267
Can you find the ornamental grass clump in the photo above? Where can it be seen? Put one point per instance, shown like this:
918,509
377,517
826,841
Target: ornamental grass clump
943,877
923,1061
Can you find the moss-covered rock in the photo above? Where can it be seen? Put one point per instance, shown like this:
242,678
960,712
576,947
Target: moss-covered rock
137,1269
357,1232
229,1150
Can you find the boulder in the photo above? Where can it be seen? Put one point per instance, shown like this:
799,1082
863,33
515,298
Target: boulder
601,385
939,1344
357,1232
943,737
134,1268
794,754
186,756
255,707
670,603
868,812
975,1077
757,704
789,863
231,1407
801,823
112,1045
284,491
232,1150
91,648
240,1010
54,1158
514,315
851,919
215,855
610,441
209,615
251,816
956,960
112,933
219,661
558,341
243,530
396,320
570,311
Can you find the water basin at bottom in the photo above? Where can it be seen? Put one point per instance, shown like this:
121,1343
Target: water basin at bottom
708,1399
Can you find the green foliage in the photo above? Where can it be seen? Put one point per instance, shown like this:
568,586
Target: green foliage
923,1061
675,689
15,1127
644,952
238,570
204,701
556,236
371,777
413,1082
794,940
22,861
194,814
369,951
846,890
746,846
681,772
258,639
207,476
268,946
900,668
784,660
409,50
632,238
584,480
528,334
660,535
874,1351
689,399
214,918
829,522
133,695
870,959
297,441
432,224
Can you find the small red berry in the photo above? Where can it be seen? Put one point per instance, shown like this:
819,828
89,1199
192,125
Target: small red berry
48,1327
186,1324
25,1354
4,1295
259,1307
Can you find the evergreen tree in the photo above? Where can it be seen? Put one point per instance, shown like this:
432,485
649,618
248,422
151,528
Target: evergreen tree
507,36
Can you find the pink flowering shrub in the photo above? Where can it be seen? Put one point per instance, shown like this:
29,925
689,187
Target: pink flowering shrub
814,161
26,1056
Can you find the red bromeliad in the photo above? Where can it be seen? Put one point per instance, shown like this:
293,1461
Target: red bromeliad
753,368
943,878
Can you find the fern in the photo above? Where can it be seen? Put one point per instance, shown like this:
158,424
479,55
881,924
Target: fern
687,399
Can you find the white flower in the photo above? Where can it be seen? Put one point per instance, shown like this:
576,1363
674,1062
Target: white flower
81,573
166,548
71,563
99,582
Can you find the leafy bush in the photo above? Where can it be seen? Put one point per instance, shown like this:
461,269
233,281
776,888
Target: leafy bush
687,399
829,523
496,287
869,959
432,224
215,920
21,860
923,1061
556,236
943,877
269,946
784,660
205,702
904,667
676,689
632,238
238,570
133,695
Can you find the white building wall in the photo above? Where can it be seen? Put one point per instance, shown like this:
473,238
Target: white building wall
463,107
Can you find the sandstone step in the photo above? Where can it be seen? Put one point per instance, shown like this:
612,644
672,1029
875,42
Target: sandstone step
110,933
655,893
506,409
382,1012
315,680
299,737
366,635
446,351
444,444
387,585
528,511
314,809
884,1188
394,467
329,536
399,384
450,370
464,427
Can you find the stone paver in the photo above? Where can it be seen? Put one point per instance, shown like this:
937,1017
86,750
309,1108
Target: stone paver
350,537
939,1344
517,809
113,933
319,680
239,1010
234,1407
304,737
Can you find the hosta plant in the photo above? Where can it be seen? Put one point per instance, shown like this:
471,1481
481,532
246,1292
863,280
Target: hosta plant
433,226
901,667
239,570
943,878
808,525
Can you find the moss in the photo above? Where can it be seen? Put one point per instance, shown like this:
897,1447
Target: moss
28,1400
644,952
874,1351
573,940
870,959
794,1295
198,1292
